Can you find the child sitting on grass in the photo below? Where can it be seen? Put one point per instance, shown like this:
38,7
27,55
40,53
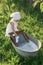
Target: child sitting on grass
12,27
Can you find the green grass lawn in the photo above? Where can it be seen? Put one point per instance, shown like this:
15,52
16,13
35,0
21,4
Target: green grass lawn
31,22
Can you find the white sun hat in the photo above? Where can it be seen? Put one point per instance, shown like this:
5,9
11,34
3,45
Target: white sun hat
16,15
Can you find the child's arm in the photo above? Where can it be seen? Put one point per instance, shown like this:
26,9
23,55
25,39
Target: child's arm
12,26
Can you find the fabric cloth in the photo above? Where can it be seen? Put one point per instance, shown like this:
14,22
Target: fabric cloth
16,15
16,38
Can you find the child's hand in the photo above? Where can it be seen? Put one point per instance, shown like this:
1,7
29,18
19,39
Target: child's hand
15,33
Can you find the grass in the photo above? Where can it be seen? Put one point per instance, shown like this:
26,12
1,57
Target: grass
31,22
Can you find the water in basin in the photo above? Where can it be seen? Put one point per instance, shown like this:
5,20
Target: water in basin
29,46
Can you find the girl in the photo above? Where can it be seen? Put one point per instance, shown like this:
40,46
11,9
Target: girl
12,27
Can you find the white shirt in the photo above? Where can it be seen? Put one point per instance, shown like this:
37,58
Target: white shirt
9,29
